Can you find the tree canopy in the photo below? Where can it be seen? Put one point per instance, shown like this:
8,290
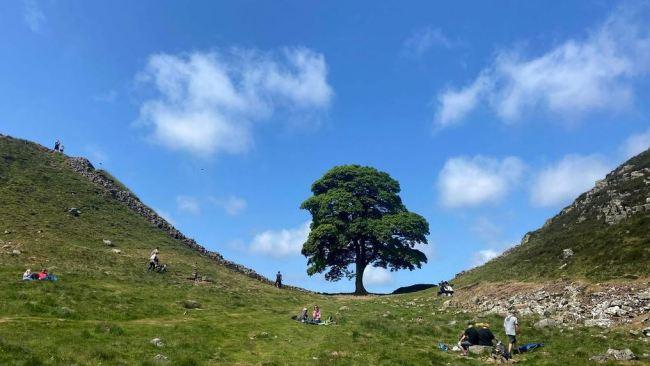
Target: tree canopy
358,218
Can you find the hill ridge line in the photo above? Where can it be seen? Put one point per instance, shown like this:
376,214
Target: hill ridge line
122,194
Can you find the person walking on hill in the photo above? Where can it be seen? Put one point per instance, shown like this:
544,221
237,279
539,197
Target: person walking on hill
511,325
153,260
57,144
278,280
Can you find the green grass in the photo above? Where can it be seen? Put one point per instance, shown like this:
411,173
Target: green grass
105,309
602,252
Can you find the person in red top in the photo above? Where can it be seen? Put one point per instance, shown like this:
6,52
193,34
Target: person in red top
42,274
315,315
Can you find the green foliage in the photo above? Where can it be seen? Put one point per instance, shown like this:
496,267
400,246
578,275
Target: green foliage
359,218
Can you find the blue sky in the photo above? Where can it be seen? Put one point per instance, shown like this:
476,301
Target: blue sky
492,116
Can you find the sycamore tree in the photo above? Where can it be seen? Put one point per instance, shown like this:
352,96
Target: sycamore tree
358,219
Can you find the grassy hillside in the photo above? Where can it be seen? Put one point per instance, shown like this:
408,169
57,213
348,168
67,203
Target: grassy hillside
105,309
607,228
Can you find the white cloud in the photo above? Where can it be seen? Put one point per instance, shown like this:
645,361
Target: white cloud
232,205
560,183
377,276
578,77
188,204
33,16
422,40
487,230
472,181
483,256
208,102
281,243
636,144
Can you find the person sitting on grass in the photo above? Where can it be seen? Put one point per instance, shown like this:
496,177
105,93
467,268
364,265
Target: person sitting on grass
27,276
315,315
485,335
42,275
468,338
302,317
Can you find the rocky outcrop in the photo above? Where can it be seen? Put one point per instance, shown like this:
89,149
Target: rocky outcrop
564,304
126,197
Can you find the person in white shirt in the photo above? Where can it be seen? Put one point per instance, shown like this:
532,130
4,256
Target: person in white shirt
511,325
153,259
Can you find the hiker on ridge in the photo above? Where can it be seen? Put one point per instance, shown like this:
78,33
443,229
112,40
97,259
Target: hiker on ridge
57,144
511,325
278,280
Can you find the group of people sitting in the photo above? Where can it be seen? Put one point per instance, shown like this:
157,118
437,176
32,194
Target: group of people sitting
445,289
315,317
479,334
58,146
43,275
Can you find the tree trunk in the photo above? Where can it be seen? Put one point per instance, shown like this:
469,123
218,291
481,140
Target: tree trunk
359,289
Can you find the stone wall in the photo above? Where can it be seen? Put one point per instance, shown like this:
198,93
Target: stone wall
126,197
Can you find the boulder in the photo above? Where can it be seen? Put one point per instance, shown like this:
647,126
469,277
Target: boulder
191,304
15,252
546,323
603,323
157,342
567,253
480,350
160,359
615,355
646,332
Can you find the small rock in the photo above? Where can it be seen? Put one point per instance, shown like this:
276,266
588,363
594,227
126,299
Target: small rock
603,323
116,251
480,350
159,358
191,304
7,232
15,252
343,308
567,253
546,323
74,211
615,355
644,295
108,242
646,332
157,342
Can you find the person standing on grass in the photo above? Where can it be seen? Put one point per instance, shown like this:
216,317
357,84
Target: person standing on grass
511,325
57,143
153,260
278,280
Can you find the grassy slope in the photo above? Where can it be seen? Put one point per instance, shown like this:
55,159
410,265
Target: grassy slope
602,251
106,308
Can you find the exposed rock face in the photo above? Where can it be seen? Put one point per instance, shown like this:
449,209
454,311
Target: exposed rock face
623,193
564,304
86,169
